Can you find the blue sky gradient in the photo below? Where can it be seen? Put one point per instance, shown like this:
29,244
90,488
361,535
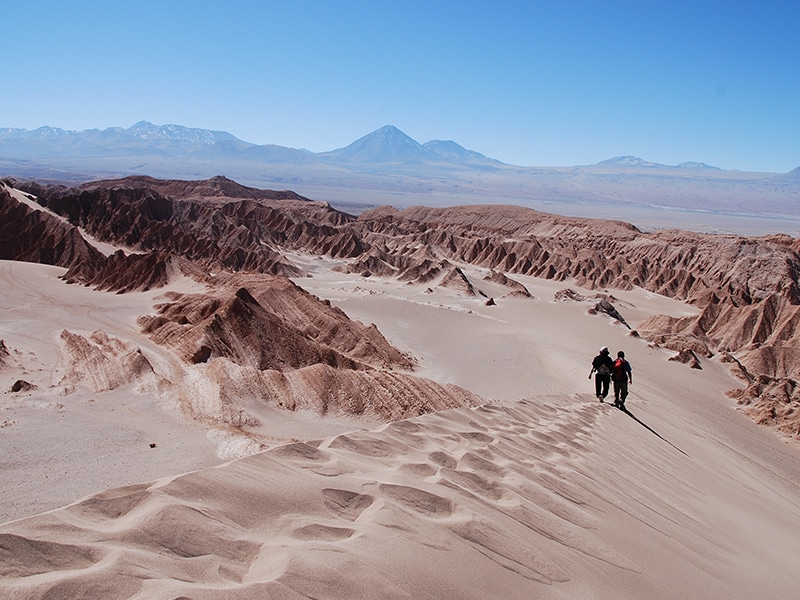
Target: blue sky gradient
529,83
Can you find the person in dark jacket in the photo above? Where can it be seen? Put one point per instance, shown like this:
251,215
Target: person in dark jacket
601,367
621,375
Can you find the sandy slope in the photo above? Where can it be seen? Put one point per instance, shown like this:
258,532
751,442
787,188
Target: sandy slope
545,493
71,436
557,497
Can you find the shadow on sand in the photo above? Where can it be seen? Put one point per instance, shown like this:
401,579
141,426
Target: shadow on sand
646,426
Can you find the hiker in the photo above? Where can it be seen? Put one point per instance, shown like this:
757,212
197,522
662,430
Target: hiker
601,365
622,376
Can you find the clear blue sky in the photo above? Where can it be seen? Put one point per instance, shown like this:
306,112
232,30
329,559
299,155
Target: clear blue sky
555,82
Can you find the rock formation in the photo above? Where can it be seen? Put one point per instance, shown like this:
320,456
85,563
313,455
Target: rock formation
687,357
270,324
104,363
34,235
20,385
457,280
515,287
746,289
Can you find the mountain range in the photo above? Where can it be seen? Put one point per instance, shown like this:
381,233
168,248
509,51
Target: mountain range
387,166
385,145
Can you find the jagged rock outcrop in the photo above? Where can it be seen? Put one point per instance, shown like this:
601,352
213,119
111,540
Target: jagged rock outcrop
603,305
269,324
20,385
268,343
200,222
597,254
31,235
687,357
104,363
216,187
457,280
773,402
122,272
515,287
568,294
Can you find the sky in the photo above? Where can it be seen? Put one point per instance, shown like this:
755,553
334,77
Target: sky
531,83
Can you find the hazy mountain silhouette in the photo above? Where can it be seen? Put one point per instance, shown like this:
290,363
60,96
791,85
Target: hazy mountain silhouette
140,138
453,152
388,166
635,161
387,144
390,145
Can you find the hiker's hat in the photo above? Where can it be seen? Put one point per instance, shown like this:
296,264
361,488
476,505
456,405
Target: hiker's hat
604,350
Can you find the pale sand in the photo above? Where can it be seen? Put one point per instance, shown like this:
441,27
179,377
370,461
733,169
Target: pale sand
546,493
59,444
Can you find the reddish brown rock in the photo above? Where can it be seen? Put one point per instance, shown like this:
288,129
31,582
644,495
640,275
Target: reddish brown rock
31,235
20,385
269,324
515,287
687,357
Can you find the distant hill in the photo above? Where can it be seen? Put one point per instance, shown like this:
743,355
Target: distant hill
390,145
793,174
387,144
140,138
635,161
449,150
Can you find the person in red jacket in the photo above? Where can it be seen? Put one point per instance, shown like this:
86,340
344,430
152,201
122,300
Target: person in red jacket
621,376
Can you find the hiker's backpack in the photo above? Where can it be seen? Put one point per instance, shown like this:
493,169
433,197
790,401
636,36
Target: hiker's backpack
618,370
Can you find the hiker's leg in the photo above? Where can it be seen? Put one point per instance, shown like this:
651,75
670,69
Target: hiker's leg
597,383
623,392
606,381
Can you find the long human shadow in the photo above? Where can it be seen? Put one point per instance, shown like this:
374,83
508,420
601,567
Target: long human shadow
646,426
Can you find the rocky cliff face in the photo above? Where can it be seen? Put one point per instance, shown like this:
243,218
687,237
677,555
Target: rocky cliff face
746,288
30,234
198,222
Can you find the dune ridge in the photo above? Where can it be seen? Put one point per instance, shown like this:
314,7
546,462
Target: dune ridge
507,500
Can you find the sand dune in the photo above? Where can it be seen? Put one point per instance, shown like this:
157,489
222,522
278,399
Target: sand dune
553,497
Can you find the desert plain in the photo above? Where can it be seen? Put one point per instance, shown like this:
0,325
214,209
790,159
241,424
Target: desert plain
122,482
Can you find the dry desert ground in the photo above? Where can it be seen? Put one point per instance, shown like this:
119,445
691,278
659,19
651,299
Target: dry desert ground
538,491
